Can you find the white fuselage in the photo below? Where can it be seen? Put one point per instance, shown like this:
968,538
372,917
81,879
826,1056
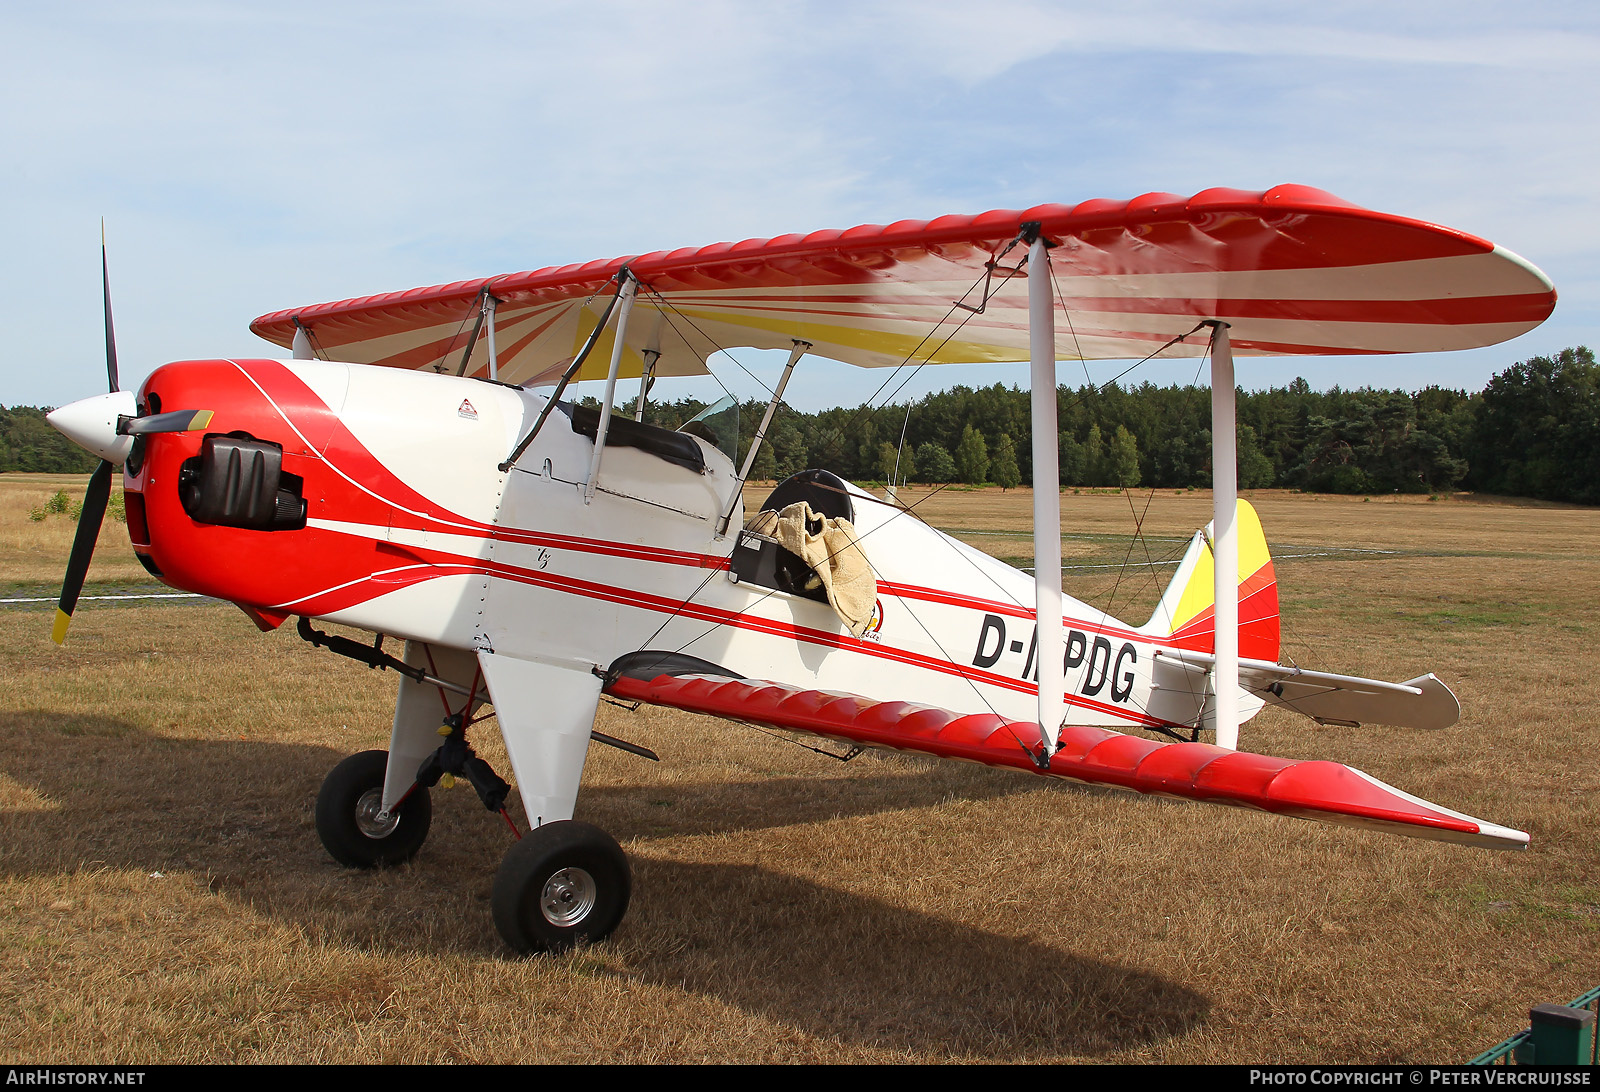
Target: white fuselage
641,566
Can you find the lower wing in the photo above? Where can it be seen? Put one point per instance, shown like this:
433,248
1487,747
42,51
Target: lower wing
1325,791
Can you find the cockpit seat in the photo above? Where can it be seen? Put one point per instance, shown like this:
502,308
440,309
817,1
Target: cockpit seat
777,567
825,492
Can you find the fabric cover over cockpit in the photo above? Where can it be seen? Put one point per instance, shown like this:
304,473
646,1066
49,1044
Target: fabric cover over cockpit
674,447
830,549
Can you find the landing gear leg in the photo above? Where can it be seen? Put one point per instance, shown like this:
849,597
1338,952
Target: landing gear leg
456,758
565,883
352,823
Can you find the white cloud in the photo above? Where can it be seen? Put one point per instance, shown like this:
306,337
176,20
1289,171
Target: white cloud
250,157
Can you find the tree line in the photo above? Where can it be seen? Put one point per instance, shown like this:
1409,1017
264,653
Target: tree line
1533,431
27,442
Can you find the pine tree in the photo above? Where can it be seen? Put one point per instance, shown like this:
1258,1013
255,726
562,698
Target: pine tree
765,468
1074,460
1122,459
886,461
1094,458
934,464
1255,469
972,457
1006,474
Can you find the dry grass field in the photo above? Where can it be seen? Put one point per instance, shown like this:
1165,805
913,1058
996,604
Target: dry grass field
35,553
166,899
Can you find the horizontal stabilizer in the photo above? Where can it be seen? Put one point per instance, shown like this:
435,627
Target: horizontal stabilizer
1324,791
1424,702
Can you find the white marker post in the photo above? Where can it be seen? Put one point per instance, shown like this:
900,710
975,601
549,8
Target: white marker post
1046,492
1225,539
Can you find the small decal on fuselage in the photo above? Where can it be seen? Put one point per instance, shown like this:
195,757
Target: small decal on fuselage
1093,660
466,410
874,630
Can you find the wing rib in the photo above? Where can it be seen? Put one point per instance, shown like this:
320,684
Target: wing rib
1324,791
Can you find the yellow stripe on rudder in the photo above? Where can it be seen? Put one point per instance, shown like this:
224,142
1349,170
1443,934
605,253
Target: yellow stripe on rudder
1198,594
1252,542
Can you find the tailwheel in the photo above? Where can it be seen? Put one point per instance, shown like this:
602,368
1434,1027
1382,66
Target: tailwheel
565,883
351,820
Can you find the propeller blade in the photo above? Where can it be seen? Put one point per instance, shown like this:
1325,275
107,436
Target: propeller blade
173,421
94,511
111,334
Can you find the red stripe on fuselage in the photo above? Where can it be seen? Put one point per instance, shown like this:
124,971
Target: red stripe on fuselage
343,452
993,606
364,469
346,597
349,457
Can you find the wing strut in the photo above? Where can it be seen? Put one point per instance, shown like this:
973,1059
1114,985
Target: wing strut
799,350
486,308
630,289
624,277
1225,538
302,347
490,305
477,328
1046,488
646,374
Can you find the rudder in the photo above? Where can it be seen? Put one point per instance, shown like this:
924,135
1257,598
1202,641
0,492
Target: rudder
1187,611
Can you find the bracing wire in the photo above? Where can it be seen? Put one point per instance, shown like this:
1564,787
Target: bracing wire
959,305
670,311
905,606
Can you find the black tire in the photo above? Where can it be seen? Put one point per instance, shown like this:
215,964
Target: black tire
347,794
564,884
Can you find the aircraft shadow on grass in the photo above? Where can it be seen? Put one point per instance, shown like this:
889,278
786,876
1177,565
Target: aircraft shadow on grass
238,816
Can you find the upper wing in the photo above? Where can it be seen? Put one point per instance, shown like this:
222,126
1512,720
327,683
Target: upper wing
1325,791
1293,270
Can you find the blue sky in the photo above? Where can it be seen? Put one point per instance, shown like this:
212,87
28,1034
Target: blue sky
252,156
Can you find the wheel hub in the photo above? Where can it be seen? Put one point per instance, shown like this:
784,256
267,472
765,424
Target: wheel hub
371,819
568,897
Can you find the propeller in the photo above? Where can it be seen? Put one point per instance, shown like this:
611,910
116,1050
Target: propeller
94,500
174,421
94,511
111,334
107,425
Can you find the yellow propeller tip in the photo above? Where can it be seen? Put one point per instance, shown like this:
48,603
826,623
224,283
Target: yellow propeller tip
58,632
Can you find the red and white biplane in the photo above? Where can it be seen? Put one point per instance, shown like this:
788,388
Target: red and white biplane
406,478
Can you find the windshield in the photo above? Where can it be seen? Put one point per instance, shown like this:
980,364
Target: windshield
718,425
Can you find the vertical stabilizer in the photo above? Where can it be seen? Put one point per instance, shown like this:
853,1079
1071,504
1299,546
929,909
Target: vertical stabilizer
1187,611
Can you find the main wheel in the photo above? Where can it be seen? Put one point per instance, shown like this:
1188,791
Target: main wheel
564,884
351,820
